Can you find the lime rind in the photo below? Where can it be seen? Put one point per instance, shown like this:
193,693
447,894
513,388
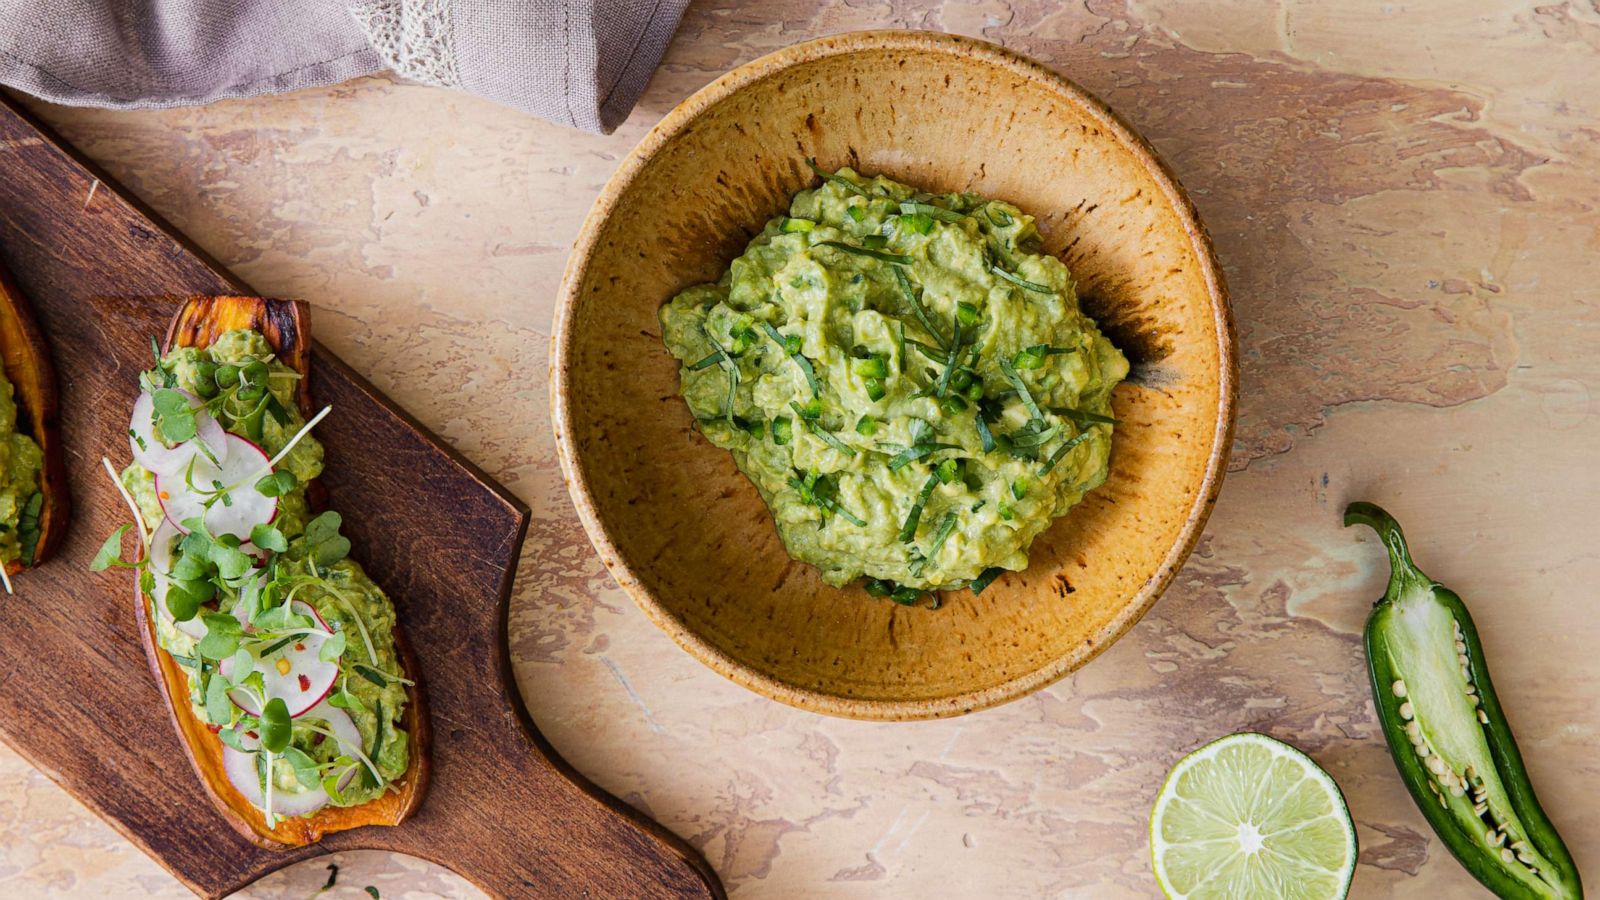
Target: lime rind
1249,816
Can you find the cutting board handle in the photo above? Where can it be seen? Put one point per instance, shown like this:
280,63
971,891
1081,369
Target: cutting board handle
507,813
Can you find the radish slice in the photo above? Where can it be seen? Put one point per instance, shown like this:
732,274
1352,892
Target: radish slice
163,542
339,722
240,768
295,672
149,450
247,508
162,545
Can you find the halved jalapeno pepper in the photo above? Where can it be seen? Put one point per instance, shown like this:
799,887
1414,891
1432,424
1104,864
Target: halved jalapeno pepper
1445,728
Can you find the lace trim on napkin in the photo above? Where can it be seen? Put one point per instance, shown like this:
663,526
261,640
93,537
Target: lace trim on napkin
413,37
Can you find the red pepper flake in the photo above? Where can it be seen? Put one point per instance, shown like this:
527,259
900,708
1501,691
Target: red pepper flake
213,728
300,647
305,683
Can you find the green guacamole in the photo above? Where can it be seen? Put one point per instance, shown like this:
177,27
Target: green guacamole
20,500
906,378
346,599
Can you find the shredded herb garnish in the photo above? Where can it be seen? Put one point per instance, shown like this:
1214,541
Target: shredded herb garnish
910,208
371,674
916,452
896,258
1082,417
1034,436
951,359
908,530
828,437
832,440
1021,389
793,351
945,528
918,309
377,730
706,362
1023,283
730,366
28,528
1061,451
822,492
985,437
932,353
836,178
796,226
985,578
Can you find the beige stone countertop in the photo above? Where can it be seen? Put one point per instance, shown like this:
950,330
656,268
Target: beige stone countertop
1404,197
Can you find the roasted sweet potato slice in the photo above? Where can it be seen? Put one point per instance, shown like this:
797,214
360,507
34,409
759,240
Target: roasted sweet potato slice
198,323
28,368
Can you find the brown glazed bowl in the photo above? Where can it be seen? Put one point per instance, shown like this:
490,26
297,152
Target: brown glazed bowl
687,535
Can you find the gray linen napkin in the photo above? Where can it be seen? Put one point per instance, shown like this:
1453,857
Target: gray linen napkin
577,62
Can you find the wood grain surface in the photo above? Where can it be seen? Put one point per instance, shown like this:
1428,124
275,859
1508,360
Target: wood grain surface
442,539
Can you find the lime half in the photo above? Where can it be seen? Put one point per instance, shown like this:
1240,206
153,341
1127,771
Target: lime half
1247,816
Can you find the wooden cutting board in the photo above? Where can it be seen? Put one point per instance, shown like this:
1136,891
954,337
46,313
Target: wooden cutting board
76,696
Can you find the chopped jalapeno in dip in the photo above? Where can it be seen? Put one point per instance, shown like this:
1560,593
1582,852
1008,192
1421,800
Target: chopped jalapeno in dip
906,378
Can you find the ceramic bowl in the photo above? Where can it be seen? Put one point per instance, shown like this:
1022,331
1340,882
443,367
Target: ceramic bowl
687,535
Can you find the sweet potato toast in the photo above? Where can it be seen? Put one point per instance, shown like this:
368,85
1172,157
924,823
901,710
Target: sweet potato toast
28,368
198,323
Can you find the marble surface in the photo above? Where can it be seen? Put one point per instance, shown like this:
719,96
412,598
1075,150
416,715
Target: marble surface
1404,197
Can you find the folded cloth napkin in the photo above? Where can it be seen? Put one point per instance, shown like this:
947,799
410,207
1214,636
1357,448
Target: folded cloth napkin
578,62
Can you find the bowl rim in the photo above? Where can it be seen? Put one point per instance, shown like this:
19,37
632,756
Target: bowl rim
682,117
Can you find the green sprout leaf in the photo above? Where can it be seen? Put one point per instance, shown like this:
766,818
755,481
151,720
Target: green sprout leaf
268,538
306,770
231,564
222,636
276,729
277,484
183,598
219,709
111,552
333,647
326,545
232,738
174,417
